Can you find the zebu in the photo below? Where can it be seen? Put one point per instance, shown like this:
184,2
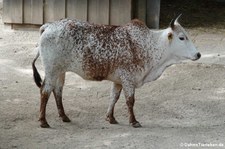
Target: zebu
128,55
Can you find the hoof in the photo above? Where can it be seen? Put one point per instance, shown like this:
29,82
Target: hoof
65,119
111,120
136,124
45,125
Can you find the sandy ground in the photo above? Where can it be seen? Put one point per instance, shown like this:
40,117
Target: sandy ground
185,108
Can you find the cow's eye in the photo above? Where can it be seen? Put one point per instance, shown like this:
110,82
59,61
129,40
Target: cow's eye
181,38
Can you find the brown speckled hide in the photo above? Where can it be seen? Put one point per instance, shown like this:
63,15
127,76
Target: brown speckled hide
128,55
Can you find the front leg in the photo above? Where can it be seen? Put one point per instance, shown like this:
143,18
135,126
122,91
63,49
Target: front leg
129,91
115,94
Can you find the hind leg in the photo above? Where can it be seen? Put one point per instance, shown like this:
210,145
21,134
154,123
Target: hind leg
45,94
57,91
115,94
45,90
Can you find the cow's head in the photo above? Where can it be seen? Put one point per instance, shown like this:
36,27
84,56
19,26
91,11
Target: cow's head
179,44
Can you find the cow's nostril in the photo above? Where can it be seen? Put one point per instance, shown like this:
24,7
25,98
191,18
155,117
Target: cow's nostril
198,55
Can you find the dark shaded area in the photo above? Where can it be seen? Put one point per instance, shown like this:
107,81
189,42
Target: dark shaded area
195,13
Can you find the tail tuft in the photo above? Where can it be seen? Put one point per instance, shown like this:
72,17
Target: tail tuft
36,75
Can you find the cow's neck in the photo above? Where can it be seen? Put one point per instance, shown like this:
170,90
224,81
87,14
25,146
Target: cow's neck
161,57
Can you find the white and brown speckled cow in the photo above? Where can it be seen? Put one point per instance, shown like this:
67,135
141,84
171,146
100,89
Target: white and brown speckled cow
128,55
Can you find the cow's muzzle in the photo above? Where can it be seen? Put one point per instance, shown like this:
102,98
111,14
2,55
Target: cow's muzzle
197,56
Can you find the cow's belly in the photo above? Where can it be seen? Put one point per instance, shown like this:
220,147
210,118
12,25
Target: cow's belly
89,69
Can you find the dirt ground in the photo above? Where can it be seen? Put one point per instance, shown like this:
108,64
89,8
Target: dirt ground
184,108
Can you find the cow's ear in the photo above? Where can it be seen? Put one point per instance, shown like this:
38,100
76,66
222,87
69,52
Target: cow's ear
170,36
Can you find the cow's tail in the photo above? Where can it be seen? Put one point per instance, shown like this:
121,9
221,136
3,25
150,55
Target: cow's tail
43,28
36,75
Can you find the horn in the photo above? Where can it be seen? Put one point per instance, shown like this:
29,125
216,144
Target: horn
173,21
176,20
